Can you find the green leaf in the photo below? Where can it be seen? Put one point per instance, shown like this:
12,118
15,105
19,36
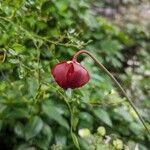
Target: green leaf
18,47
75,122
62,5
75,140
32,86
123,113
85,120
89,19
136,128
16,112
53,113
61,137
110,46
34,127
44,140
19,130
103,116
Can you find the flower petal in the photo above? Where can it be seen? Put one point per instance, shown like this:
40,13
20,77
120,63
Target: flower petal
77,76
59,72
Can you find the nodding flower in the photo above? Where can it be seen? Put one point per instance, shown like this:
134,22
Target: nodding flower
70,74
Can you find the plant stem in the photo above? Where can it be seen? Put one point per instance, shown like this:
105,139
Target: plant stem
115,81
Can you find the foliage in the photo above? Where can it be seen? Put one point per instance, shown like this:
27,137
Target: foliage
34,111
97,141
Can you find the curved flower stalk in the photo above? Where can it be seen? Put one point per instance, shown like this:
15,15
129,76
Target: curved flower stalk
72,75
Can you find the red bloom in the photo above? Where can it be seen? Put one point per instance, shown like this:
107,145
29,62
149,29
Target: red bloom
70,74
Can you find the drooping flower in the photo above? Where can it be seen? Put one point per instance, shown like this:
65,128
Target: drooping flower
70,74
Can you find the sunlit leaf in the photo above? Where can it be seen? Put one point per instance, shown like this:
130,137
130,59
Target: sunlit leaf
103,116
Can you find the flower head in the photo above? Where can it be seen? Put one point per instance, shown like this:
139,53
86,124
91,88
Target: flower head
70,74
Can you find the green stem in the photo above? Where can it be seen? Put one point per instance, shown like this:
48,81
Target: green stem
71,113
115,81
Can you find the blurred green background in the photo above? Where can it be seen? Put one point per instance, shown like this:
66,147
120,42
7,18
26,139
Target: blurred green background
35,113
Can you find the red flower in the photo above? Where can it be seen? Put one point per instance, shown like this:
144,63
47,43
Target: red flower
70,74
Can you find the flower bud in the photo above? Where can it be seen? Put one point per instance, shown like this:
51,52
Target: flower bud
118,144
101,131
84,132
70,74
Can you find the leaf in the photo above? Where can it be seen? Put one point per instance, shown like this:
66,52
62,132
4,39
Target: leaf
75,122
34,127
136,128
110,46
18,47
123,113
89,19
86,120
61,137
19,130
53,113
44,140
62,5
75,140
32,86
84,144
16,112
47,131
103,116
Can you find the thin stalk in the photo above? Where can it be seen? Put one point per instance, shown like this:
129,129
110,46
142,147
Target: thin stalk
71,113
115,81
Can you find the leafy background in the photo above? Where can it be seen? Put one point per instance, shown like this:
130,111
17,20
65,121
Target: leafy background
37,114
